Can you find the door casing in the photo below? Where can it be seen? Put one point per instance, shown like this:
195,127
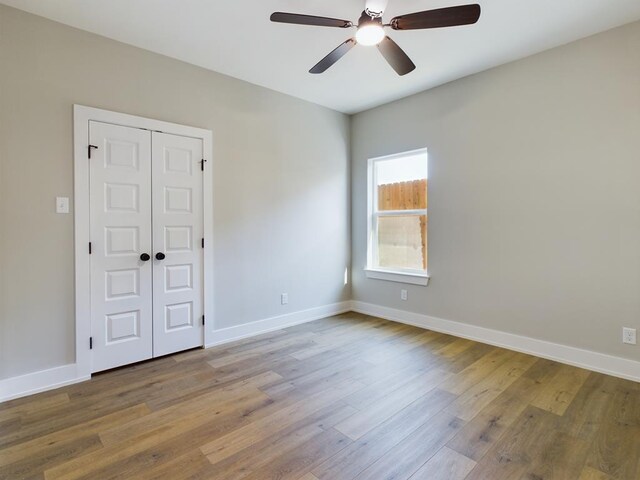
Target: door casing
82,115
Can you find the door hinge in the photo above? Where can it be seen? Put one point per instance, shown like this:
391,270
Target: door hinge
90,343
202,164
90,249
89,149
203,242
203,319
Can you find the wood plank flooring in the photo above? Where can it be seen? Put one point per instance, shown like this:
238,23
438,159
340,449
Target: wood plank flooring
349,397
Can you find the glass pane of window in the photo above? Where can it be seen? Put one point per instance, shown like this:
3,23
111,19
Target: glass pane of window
402,241
402,183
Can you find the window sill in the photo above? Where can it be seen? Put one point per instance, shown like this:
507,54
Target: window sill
400,277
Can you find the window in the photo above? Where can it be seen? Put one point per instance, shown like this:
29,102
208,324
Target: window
397,201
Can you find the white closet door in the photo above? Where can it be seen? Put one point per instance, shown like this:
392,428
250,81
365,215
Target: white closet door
177,237
120,197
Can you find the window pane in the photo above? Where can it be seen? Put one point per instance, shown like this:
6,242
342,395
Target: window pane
411,195
402,183
402,241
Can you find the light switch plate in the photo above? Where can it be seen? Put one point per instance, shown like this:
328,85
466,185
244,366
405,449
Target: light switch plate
62,204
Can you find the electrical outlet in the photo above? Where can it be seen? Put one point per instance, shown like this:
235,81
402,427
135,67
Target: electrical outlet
629,335
403,294
284,298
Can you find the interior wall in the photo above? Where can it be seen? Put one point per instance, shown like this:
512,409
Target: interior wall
534,194
281,189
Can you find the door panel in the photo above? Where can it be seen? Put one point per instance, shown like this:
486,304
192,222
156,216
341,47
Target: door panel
177,233
120,197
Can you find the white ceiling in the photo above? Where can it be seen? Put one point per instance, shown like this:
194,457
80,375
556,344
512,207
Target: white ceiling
235,37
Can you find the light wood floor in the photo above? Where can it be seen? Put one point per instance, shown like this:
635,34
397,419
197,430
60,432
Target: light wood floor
348,397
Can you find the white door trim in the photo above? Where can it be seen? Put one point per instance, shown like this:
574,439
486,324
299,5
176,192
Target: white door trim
81,117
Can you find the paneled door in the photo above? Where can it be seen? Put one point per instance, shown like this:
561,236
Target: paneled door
121,248
178,305
146,244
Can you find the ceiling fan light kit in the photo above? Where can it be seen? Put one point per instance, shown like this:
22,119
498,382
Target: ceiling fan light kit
370,30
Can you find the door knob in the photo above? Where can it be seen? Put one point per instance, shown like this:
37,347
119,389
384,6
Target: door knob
160,256
144,257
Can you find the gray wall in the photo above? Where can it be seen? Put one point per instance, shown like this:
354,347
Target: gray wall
534,194
281,182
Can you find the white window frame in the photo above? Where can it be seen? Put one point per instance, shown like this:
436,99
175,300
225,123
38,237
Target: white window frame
401,275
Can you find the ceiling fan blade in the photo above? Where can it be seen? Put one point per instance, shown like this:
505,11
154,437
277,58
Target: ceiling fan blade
376,6
396,57
333,57
442,17
300,19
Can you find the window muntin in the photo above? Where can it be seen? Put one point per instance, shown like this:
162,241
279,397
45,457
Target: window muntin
398,213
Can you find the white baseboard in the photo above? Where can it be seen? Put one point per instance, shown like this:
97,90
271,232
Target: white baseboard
50,379
231,334
40,381
43,380
598,362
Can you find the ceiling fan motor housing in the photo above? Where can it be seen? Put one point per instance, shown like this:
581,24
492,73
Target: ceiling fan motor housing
367,19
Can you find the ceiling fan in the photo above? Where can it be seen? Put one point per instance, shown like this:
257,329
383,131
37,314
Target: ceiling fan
370,30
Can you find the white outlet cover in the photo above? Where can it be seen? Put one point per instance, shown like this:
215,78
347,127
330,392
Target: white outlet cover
284,298
629,336
403,294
